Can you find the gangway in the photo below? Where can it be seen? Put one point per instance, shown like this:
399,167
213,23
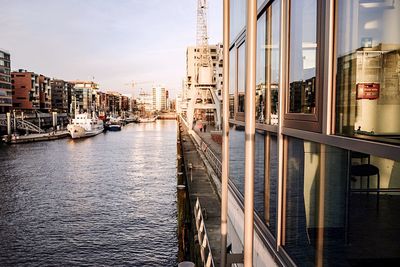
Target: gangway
21,125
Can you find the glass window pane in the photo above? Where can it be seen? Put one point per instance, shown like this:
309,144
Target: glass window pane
259,174
368,67
236,156
237,17
303,28
261,68
273,184
342,207
241,76
232,81
274,62
301,192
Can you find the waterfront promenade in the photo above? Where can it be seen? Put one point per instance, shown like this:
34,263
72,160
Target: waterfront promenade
202,185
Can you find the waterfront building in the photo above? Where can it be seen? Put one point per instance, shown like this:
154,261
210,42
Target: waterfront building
144,102
5,82
102,100
84,96
25,90
61,95
202,87
315,128
44,93
159,98
114,102
125,103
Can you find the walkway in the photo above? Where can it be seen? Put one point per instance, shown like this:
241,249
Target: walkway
200,186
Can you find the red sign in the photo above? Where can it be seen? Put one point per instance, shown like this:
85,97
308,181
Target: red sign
368,90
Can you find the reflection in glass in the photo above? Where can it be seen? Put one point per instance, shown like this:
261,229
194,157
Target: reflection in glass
232,82
267,69
270,217
259,174
368,67
241,76
237,17
236,156
274,62
261,68
334,214
303,28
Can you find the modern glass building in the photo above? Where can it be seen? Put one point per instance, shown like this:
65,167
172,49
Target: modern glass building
324,148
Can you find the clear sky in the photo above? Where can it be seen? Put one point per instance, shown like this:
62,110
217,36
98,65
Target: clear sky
114,41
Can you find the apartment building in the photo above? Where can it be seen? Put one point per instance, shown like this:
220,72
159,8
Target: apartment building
25,90
45,93
61,95
318,134
159,98
84,95
5,82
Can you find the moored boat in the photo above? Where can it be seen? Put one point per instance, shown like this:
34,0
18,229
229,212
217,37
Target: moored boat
84,125
144,120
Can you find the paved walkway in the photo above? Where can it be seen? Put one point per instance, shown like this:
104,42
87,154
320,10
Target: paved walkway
206,137
200,186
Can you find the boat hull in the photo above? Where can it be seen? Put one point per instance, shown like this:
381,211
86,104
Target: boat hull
77,131
114,128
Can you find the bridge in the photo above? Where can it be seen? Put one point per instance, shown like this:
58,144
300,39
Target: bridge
21,125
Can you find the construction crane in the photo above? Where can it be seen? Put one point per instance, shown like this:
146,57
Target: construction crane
202,95
202,36
133,84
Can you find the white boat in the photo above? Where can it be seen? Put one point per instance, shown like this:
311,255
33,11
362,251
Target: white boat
147,119
85,126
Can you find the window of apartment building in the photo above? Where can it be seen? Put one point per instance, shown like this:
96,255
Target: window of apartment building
367,70
335,213
267,71
302,101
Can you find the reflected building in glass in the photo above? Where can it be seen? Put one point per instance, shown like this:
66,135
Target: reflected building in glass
327,132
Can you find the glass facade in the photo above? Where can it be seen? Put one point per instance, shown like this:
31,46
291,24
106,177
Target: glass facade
341,207
368,66
333,200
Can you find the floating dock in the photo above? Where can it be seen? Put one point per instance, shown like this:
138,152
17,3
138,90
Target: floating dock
18,139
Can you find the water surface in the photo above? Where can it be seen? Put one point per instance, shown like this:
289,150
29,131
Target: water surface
109,200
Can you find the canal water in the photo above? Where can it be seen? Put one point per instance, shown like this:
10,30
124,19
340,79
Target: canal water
109,200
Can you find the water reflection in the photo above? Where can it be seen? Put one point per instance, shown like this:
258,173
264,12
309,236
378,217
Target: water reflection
96,201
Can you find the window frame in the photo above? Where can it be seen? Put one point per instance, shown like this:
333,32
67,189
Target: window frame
309,122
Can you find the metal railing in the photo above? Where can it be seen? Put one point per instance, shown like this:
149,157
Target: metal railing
205,249
22,125
214,161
